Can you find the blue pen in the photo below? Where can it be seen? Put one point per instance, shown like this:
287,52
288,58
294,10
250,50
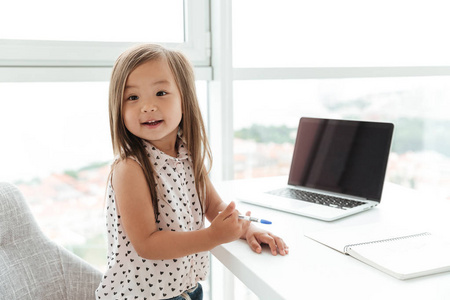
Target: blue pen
253,219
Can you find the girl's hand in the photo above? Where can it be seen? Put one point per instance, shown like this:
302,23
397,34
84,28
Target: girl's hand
227,227
256,236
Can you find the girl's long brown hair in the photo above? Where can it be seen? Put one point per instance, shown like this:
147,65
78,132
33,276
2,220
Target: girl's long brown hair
126,145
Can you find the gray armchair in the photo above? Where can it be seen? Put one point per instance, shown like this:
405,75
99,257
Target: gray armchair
31,265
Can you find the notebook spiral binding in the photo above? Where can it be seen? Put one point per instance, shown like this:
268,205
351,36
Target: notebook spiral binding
387,240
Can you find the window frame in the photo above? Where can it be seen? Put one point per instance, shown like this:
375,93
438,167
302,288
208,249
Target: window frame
225,74
30,60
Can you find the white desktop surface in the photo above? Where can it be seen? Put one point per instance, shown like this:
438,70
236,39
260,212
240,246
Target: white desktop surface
314,271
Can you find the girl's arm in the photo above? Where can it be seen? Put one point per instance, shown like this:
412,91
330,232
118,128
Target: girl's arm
254,235
137,217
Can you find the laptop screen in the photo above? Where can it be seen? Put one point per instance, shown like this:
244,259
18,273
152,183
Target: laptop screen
346,157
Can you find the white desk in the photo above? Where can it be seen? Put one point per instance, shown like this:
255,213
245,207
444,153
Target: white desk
314,271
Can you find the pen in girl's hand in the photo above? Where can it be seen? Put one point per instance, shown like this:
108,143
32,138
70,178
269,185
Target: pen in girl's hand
253,219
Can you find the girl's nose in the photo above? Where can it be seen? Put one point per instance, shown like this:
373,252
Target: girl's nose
148,107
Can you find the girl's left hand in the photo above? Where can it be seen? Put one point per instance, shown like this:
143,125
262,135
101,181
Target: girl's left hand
256,236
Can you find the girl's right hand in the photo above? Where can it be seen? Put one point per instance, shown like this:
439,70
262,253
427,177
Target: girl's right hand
227,226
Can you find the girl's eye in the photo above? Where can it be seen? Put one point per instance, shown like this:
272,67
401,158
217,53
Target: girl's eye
161,93
133,98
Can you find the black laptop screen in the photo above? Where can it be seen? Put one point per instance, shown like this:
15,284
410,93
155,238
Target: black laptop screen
347,157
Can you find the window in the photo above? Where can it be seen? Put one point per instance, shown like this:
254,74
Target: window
54,72
57,149
420,154
344,59
98,32
94,21
346,33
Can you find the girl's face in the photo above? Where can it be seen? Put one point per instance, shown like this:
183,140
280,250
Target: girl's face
152,105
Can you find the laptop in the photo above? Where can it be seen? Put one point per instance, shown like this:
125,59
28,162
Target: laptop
338,169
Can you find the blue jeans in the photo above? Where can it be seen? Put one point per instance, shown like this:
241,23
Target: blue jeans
196,294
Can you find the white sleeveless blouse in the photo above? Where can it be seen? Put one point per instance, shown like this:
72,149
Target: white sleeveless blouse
130,276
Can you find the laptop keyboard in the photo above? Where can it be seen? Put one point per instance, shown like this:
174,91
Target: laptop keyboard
316,198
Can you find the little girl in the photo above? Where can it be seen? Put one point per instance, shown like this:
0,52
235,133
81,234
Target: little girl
159,191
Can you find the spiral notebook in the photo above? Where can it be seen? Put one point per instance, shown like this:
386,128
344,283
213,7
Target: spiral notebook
403,253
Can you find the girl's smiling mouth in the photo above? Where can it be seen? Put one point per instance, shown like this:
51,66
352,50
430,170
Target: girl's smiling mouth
153,123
